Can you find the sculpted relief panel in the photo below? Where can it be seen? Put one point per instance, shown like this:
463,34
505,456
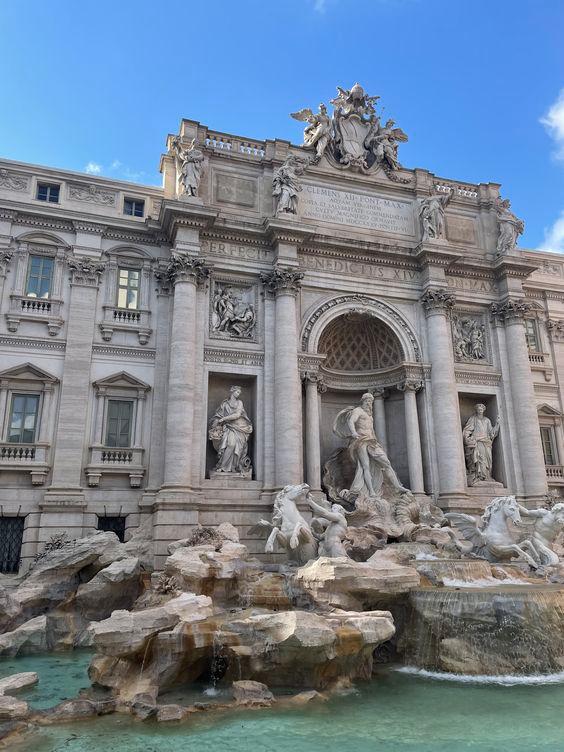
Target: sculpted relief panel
371,212
469,339
233,311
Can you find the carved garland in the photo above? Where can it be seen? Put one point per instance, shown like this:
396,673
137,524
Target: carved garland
373,306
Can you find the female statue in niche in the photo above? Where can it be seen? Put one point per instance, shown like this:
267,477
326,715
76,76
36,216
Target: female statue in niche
230,428
478,435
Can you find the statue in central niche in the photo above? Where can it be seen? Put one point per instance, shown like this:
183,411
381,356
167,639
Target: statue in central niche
373,467
478,435
230,429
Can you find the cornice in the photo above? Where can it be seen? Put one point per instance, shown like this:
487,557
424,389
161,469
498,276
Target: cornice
513,266
233,356
467,376
175,213
32,344
286,231
124,352
436,254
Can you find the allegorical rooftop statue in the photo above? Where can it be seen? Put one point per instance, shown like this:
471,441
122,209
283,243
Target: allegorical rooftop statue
510,226
189,163
286,184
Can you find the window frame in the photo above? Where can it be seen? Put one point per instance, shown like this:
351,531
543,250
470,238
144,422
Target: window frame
549,432
534,334
132,418
42,257
128,287
134,202
48,186
11,396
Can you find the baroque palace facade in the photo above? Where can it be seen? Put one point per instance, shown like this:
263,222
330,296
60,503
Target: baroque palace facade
305,275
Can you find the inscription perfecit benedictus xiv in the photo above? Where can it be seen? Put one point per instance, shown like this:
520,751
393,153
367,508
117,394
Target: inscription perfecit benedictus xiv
357,209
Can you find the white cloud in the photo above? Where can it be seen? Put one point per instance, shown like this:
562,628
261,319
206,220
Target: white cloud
554,236
115,165
93,168
553,121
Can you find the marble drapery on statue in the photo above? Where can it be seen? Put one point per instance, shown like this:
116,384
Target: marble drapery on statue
230,429
373,468
478,435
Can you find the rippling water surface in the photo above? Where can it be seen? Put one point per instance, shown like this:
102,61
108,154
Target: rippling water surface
400,711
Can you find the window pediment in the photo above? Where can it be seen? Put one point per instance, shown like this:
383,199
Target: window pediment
27,372
121,380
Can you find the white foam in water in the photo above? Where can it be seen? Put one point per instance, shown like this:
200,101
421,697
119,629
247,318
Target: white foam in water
212,692
507,680
421,556
482,582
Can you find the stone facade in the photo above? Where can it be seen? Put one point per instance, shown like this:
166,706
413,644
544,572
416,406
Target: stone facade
104,311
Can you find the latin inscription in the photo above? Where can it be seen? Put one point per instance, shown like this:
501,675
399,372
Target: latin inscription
357,269
356,209
474,285
234,250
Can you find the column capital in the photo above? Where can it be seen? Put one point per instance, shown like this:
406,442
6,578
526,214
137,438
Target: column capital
379,392
437,300
511,311
85,270
183,268
282,280
312,377
410,385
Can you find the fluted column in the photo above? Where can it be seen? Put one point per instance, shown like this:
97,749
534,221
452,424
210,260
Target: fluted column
413,439
446,412
184,273
379,417
528,437
284,283
313,387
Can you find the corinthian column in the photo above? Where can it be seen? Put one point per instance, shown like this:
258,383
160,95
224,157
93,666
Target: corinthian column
444,396
284,283
379,417
183,273
512,313
413,439
313,386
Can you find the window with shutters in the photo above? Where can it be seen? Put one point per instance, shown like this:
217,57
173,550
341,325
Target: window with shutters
532,335
549,445
119,423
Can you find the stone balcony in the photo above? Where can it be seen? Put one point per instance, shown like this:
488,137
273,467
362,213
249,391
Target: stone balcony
42,310
541,362
126,320
555,474
115,461
32,458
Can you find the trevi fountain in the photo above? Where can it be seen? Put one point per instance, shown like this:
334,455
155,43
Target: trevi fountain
373,616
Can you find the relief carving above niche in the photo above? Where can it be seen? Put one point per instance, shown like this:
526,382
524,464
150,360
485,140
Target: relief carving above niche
233,310
469,338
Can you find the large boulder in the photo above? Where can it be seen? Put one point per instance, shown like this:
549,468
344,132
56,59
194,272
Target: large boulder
248,692
222,574
127,633
343,583
10,610
12,709
115,587
16,682
28,638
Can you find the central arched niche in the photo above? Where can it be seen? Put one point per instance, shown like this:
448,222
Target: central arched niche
357,347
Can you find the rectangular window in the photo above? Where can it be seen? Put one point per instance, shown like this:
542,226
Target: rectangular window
120,418
48,192
113,524
11,536
128,288
134,207
39,276
24,414
532,335
548,445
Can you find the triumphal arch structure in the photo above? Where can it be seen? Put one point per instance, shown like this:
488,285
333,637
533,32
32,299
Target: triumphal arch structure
174,356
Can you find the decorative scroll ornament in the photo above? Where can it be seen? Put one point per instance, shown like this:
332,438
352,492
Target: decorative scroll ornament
93,194
12,182
182,268
282,279
85,271
355,136
436,299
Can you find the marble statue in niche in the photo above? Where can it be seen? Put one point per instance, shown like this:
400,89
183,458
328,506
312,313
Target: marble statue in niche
432,215
229,432
469,337
373,468
478,436
318,130
233,313
510,226
286,184
189,164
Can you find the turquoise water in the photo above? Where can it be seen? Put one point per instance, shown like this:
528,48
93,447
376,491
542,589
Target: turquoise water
396,712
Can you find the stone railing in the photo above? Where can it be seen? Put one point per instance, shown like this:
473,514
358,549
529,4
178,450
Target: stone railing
538,358
29,457
234,145
460,190
115,461
126,319
555,472
25,308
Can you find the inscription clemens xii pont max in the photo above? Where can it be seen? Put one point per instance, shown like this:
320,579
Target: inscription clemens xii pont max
359,209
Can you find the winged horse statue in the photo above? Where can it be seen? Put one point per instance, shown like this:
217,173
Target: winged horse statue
492,537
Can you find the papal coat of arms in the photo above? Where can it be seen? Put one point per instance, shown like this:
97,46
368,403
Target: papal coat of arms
354,136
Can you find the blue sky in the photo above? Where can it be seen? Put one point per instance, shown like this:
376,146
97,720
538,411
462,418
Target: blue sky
478,85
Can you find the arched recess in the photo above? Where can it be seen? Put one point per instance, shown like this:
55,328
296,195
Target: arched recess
321,316
42,238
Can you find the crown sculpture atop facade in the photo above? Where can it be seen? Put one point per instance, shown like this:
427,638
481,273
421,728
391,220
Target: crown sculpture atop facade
354,135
